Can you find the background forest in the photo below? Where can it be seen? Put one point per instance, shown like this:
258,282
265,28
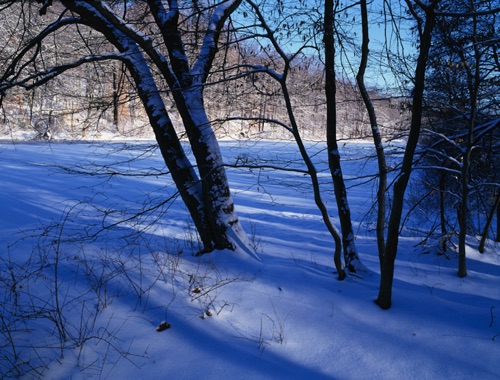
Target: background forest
100,99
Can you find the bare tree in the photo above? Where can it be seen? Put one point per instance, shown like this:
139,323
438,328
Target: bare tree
285,61
377,138
159,48
344,211
425,15
464,79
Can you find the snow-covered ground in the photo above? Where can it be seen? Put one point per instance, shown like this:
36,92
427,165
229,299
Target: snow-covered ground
83,294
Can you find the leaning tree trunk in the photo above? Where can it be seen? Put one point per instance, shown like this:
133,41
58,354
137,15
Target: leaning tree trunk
181,169
463,210
377,138
218,203
187,85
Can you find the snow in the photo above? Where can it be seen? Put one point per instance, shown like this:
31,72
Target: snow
275,314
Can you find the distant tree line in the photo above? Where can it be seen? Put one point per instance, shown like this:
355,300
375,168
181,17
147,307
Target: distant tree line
100,98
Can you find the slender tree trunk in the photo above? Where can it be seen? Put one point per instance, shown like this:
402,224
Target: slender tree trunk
463,212
498,221
315,183
115,102
494,209
350,253
377,139
384,298
473,80
442,183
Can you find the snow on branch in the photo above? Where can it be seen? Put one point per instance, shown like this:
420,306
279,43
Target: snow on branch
12,70
168,25
209,47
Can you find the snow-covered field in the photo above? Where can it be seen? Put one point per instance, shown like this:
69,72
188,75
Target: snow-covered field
83,294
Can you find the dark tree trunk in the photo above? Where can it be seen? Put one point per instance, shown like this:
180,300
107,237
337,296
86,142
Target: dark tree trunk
494,209
294,129
384,298
115,101
377,139
350,253
187,88
315,183
498,220
442,186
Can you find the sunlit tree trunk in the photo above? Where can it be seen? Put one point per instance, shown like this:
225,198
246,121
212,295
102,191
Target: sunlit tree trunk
209,199
348,238
377,138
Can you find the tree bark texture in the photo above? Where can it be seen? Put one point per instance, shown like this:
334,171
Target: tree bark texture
208,198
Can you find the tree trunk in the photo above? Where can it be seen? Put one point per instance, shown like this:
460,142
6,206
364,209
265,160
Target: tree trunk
187,85
311,169
442,211
377,139
462,216
473,83
350,253
181,169
498,221
209,201
115,102
494,209
217,199
294,129
384,298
